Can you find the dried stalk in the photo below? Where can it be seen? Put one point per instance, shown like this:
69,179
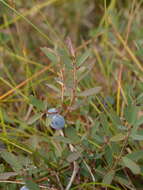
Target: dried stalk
75,166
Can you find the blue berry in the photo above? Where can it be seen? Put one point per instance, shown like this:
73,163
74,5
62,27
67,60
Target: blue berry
24,188
52,111
57,122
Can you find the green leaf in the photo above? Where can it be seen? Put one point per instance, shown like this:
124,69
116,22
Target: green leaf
108,155
71,133
137,137
131,114
65,58
37,103
115,118
34,141
62,139
4,38
50,54
122,127
139,121
139,99
12,160
82,58
137,155
94,129
52,87
123,181
31,185
73,156
34,118
2,168
131,165
7,175
6,117
90,91
85,70
107,179
105,124
139,52
96,31
118,137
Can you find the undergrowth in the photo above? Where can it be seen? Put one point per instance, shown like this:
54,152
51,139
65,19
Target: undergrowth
84,58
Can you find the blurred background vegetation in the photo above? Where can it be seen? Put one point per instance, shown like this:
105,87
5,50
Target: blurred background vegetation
95,79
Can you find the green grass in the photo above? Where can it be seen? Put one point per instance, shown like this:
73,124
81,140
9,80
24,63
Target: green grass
83,57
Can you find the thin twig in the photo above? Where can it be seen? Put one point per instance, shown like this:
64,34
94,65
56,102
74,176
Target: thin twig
88,168
62,85
59,181
28,112
75,170
22,183
75,166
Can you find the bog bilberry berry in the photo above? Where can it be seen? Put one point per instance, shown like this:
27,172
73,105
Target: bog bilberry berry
52,111
24,188
56,120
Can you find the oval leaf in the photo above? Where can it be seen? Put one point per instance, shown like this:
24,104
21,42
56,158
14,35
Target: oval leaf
82,58
137,137
131,114
90,91
131,165
73,156
62,139
50,54
37,103
135,156
34,118
12,160
118,137
31,185
108,177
